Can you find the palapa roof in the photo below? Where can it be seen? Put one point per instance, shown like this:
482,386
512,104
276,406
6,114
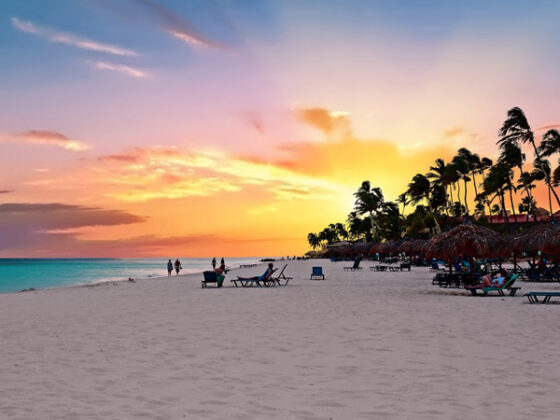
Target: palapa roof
467,239
413,246
552,244
535,238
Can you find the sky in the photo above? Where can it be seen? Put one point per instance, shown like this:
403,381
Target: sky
137,128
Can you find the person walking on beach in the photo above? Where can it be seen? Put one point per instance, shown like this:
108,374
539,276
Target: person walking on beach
223,262
214,263
169,267
177,266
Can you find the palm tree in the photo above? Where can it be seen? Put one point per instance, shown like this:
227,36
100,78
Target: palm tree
525,181
463,170
542,171
439,176
419,189
403,199
313,240
495,184
550,143
474,163
485,163
516,129
368,201
341,231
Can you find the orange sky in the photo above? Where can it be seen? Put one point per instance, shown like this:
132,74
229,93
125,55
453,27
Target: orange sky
205,128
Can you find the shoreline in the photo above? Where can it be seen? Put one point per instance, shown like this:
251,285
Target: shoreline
28,285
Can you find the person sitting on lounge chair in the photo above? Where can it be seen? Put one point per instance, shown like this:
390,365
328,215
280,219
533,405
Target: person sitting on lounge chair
220,274
264,276
499,281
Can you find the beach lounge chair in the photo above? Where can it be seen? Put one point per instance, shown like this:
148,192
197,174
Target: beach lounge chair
317,273
434,266
533,296
257,280
355,267
508,285
281,278
210,277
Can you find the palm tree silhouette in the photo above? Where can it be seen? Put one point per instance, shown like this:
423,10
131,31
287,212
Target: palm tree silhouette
368,201
516,129
420,189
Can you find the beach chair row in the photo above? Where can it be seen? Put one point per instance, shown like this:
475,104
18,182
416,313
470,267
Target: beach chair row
211,278
394,268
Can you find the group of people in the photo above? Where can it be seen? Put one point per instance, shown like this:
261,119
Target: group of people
177,267
221,271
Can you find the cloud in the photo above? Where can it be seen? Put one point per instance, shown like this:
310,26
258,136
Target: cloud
46,137
5,191
35,223
545,128
452,132
120,68
70,39
176,26
331,122
148,173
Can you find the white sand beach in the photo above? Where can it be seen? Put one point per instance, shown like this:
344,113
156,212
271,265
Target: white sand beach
359,345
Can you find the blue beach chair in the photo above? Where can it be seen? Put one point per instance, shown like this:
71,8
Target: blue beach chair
317,273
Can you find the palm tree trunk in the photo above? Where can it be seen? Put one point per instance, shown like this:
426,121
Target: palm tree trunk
550,200
438,229
466,202
503,203
372,226
511,202
474,184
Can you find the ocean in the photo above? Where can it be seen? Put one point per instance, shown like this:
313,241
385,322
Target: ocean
22,273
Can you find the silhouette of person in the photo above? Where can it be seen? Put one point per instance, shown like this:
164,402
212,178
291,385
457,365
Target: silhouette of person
169,267
177,266
214,263
223,262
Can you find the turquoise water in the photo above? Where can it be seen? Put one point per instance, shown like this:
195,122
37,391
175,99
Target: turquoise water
23,273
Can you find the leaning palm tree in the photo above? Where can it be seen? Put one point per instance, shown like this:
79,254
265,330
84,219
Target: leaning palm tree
368,201
550,143
516,129
542,171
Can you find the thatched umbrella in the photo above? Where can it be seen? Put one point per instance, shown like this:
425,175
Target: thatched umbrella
343,248
362,248
390,246
412,246
535,238
467,239
552,244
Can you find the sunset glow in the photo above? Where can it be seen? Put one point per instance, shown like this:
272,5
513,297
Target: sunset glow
234,128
